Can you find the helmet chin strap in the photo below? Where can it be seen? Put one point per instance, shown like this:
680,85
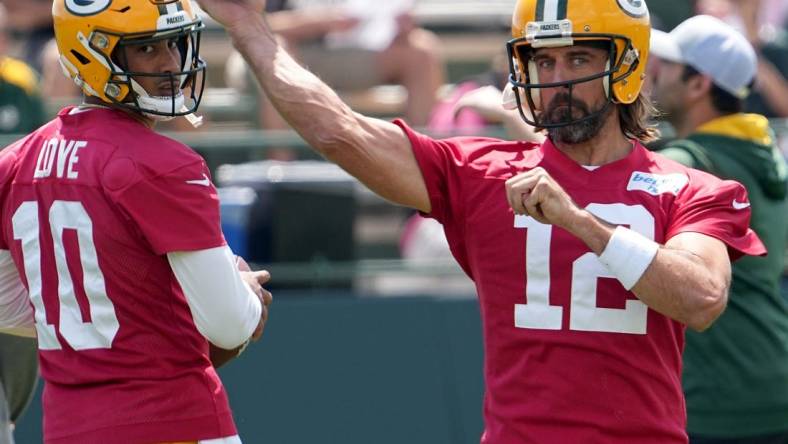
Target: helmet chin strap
162,104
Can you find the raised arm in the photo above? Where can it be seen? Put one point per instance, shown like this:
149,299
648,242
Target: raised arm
375,151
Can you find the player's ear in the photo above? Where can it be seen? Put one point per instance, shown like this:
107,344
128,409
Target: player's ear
699,86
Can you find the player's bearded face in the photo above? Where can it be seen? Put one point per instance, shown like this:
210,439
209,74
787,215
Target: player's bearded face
564,107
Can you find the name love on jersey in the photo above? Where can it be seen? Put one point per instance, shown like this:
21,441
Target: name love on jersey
65,152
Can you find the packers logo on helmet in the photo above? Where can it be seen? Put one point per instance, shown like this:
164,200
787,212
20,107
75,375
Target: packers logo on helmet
622,27
635,8
87,7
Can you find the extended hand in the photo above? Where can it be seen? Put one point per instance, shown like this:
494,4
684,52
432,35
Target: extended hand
231,12
535,193
255,280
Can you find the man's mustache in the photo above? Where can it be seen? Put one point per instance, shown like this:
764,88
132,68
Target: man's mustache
564,99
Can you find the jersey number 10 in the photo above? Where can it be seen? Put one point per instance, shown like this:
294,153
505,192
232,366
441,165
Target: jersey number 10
80,335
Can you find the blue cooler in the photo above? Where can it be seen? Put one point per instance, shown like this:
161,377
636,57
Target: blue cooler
236,204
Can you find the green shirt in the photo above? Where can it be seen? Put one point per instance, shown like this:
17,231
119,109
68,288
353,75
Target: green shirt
21,109
736,373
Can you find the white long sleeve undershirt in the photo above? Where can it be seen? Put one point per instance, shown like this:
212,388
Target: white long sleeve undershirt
225,309
16,314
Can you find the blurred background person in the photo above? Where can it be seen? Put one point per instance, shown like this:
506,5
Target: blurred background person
482,103
55,85
18,379
21,109
735,373
354,45
762,22
30,24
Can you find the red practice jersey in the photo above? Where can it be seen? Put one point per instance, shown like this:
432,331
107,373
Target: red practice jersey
570,355
91,202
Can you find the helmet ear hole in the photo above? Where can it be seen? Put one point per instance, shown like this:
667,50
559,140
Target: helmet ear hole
533,78
80,57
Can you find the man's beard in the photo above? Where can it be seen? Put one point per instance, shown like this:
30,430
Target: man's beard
671,112
558,112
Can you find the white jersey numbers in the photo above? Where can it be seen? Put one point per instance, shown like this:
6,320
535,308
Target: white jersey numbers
584,314
80,335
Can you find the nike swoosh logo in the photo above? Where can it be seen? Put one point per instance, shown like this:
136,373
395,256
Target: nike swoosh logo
740,205
204,181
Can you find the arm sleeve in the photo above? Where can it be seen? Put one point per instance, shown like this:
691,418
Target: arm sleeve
720,209
16,314
225,310
440,162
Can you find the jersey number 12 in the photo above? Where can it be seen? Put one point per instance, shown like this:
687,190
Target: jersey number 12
584,315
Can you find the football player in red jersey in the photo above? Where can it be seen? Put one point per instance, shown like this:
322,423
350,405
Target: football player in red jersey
115,232
590,254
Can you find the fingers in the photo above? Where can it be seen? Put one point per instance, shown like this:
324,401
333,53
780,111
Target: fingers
262,276
241,264
527,192
266,298
519,188
258,332
533,203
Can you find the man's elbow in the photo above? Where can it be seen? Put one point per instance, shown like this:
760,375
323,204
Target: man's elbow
340,139
227,339
713,303
226,330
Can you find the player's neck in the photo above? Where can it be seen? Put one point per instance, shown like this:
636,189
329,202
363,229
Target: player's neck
92,102
695,117
607,146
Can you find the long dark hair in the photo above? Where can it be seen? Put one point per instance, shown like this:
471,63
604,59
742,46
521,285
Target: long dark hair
637,119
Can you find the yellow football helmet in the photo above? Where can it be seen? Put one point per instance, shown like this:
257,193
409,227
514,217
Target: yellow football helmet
625,24
89,33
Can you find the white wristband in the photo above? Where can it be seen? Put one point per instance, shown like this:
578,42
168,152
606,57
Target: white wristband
627,255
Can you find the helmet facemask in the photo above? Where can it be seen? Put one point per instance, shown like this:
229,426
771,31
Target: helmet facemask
124,90
526,86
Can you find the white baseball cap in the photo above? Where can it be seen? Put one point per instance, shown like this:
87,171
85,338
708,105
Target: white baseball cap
713,48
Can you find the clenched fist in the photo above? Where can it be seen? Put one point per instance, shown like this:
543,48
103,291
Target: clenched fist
535,193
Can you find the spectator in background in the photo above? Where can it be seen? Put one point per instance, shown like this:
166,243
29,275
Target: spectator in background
763,23
54,85
21,109
477,103
30,23
735,373
666,14
328,37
